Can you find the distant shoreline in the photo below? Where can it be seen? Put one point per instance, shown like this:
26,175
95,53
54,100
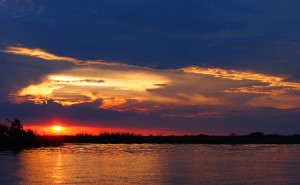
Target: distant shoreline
200,139
15,137
8,142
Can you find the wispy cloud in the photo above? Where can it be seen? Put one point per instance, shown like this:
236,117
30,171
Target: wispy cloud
196,115
275,85
40,53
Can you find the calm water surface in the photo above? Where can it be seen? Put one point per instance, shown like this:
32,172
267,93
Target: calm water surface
152,164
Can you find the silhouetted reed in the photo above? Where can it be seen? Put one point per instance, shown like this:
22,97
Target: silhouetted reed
119,134
84,134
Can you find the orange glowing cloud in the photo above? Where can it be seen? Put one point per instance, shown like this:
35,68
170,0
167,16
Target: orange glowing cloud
276,85
86,84
126,87
232,74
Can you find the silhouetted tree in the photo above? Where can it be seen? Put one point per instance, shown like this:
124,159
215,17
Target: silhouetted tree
15,128
14,136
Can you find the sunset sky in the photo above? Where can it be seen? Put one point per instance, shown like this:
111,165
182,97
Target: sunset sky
161,67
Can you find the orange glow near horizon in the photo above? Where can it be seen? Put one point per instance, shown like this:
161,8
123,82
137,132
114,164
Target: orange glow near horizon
63,130
73,130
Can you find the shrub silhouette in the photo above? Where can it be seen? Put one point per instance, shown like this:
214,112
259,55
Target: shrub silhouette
256,134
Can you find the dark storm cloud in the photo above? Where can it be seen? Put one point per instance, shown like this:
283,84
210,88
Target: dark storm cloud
18,72
235,34
85,114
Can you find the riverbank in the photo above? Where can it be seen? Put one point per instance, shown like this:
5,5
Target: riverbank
200,139
21,142
45,141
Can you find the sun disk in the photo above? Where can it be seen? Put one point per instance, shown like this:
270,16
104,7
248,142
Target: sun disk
57,128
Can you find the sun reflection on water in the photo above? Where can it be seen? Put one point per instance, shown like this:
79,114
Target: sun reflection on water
160,164
57,172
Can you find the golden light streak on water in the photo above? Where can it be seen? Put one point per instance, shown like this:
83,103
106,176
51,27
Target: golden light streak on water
153,164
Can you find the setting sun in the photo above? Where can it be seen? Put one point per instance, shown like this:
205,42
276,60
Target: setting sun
57,128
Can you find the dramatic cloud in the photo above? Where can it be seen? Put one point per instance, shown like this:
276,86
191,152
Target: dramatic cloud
126,88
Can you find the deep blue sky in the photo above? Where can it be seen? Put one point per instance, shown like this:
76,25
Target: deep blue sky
256,35
261,35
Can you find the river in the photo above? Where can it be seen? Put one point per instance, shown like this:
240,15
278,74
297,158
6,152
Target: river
152,164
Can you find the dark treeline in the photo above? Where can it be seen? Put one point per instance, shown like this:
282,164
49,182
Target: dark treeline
253,138
14,136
